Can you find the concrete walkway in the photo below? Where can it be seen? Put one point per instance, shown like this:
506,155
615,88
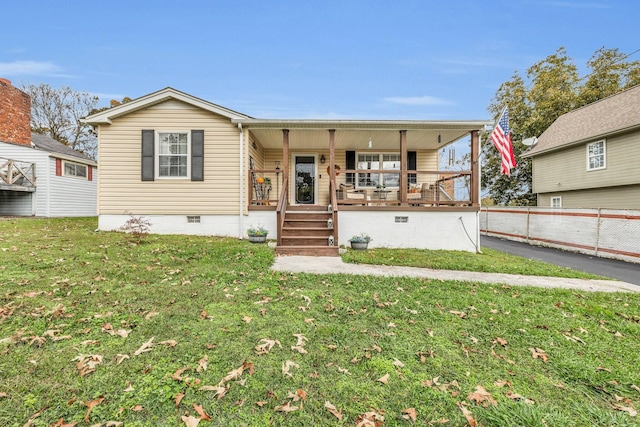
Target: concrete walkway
335,265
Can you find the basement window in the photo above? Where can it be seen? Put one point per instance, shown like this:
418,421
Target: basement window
193,219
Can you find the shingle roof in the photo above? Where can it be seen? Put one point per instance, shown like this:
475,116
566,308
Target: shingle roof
610,115
46,143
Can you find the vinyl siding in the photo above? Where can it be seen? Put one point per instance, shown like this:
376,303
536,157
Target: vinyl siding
623,197
566,170
121,189
69,195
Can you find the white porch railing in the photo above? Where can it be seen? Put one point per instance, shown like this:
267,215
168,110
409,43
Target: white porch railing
17,175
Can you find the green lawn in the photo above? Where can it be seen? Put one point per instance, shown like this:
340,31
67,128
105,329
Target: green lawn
98,330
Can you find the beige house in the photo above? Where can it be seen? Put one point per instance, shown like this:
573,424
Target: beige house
194,167
589,157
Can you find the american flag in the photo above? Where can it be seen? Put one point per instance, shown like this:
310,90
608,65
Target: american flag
501,137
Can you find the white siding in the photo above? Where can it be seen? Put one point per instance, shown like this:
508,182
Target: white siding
54,195
71,196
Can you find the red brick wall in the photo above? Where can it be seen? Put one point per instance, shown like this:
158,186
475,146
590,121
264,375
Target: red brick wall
15,114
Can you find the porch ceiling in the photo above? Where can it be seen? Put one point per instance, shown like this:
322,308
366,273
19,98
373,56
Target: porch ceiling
355,135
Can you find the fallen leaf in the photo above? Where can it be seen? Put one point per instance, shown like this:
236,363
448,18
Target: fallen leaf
3,394
137,408
460,314
87,364
286,366
202,364
178,399
147,346
537,353
129,387
370,419
383,379
177,374
201,412
299,349
635,387
220,391
261,403
501,341
190,421
120,358
482,396
169,343
114,424
247,319
266,346
285,408
632,412
334,411
90,405
468,415
397,363
410,414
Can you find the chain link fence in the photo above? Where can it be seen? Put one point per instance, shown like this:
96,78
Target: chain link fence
609,233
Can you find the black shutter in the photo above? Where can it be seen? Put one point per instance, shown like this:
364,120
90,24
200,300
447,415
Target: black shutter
197,155
350,164
148,161
412,164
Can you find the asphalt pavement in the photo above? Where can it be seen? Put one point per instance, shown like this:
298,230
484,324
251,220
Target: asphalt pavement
606,267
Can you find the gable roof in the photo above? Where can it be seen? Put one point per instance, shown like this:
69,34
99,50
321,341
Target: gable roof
58,149
105,117
608,116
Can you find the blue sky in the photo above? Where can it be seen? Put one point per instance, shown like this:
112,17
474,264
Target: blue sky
432,60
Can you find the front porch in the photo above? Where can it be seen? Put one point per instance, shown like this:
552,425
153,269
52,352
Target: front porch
377,174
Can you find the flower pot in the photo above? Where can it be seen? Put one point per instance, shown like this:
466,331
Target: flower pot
359,246
258,239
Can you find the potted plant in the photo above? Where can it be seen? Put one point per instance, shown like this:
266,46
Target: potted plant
257,234
360,241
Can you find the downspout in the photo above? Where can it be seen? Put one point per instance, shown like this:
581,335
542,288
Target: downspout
241,218
479,166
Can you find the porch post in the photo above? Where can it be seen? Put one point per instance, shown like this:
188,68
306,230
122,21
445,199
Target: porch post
475,168
402,191
332,155
285,154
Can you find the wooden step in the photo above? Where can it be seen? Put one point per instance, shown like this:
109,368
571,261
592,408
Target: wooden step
308,250
305,241
323,231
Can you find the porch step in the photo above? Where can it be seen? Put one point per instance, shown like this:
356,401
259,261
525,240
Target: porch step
308,250
305,232
297,231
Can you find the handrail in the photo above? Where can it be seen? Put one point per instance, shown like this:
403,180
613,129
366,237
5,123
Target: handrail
333,199
281,209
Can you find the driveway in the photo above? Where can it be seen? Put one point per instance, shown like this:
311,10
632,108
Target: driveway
615,269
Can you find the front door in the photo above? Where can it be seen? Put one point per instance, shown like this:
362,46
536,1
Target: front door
305,180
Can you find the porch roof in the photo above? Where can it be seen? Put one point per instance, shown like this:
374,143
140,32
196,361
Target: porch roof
355,134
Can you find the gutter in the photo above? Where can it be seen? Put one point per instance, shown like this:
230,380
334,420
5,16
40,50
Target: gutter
241,213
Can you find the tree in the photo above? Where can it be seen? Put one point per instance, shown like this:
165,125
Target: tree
57,113
553,87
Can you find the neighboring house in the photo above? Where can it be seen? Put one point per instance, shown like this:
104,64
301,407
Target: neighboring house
589,157
39,175
193,167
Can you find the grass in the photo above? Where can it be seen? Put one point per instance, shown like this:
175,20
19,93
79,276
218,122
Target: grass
203,306
490,261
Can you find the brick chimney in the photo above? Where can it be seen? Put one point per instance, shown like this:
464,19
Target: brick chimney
15,114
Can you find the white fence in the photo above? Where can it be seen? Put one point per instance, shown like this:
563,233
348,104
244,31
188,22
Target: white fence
601,232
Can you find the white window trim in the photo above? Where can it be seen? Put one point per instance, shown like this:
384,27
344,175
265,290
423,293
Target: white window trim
559,199
604,155
86,170
381,161
157,155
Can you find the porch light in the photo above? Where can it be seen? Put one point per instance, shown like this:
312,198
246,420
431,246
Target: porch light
322,159
370,143
277,165
439,138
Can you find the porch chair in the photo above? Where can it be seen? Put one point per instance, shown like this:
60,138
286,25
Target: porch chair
348,195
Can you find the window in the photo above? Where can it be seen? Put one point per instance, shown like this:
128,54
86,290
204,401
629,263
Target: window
75,169
372,161
596,158
556,202
173,155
